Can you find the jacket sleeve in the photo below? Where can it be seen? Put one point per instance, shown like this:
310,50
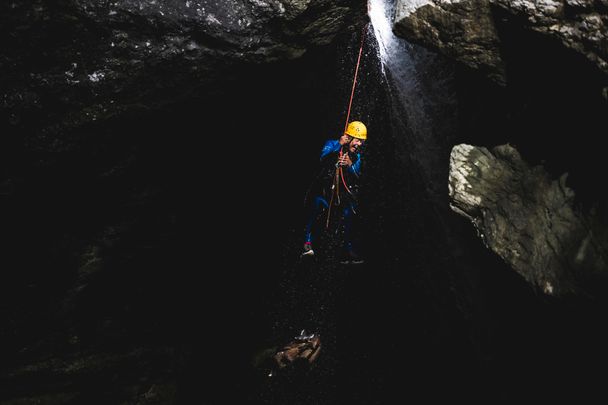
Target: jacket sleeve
356,167
330,146
333,146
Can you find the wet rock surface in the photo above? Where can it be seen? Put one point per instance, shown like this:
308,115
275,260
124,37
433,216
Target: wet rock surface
61,379
463,30
513,56
67,64
472,31
527,218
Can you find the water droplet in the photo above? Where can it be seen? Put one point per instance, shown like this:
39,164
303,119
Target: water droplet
96,76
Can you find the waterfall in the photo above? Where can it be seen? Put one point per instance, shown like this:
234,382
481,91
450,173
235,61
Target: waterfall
420,89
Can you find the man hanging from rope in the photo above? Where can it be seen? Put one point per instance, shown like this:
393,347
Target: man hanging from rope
335,188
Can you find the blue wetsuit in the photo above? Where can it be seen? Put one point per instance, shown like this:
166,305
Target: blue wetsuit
329,157
333,146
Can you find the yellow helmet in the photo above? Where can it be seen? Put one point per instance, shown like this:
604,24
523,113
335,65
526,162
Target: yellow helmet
357,129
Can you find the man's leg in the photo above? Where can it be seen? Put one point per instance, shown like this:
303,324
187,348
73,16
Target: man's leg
349,250
318,203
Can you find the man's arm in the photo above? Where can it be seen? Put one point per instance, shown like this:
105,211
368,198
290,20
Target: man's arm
331,146
356,167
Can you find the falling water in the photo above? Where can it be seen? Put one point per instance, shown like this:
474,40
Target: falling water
398,65
420,89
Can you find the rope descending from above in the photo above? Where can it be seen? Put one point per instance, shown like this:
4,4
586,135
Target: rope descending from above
339,173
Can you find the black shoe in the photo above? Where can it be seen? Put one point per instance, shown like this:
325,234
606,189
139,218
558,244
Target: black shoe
351,257
355,258
308,250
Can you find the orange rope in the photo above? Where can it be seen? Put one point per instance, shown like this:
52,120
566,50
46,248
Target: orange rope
344,182
331,201
339,174
352,93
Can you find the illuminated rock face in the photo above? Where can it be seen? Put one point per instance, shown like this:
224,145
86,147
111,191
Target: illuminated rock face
527,48
66,64
470,30
526,218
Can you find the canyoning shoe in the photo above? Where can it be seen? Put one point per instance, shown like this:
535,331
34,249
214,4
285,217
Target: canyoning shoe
351,257
355,259
308,250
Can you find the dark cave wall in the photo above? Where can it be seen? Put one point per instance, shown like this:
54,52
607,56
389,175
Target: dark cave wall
553,122
468,30
161,237
109,236
548,101
550,106
157,227
70,63
550,92
67,167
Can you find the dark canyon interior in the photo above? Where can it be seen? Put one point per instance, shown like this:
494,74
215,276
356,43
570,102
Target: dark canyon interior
197,211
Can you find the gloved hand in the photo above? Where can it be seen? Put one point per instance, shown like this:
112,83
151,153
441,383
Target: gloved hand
344,160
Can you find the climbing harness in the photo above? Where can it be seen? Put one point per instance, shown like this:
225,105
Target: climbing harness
339,173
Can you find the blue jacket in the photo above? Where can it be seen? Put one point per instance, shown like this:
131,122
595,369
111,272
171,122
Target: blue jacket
333,146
